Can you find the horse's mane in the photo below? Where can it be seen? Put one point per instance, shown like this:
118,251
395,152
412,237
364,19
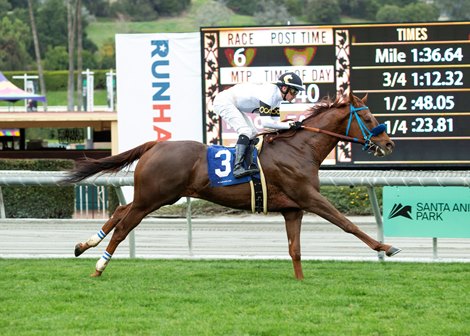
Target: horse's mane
324,104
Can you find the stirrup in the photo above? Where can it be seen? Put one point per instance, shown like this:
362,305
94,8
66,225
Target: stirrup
240,172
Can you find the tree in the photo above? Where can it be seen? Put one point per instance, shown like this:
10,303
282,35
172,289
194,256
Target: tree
365,9
398,3
295,7
37,51
323,11
212,13
71,26
414,12
4,7
420,12
242,7
107,55
51,20
455,9
271,13
170,8
389,13
14,37
89,62
56,58
52,25
98,8
137,10
78,19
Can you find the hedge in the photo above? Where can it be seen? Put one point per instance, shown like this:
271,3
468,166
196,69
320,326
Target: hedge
38,201
58,202
57,80
351,201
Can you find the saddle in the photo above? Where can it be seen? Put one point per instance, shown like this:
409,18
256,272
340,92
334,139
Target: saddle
220,161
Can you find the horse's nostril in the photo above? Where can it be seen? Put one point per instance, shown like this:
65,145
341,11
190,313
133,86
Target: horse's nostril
390,145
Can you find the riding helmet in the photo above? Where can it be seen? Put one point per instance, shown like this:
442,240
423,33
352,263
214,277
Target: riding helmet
290,79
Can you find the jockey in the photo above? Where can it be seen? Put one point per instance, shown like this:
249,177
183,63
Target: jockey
265,99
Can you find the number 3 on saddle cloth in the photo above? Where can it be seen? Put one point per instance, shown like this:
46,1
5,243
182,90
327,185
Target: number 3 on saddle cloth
220,162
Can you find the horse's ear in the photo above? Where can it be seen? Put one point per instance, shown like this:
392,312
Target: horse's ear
364,99
351,97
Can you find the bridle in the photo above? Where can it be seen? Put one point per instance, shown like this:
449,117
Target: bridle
367,134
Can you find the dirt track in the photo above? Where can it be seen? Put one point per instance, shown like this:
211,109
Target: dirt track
253,236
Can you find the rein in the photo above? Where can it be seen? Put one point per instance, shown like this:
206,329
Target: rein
366,133
337,135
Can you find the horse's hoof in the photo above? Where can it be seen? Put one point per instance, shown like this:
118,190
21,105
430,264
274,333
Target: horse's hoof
392,251
96,274
79,249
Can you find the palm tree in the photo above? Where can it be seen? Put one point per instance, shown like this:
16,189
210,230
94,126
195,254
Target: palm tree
79,53
71,43
37,51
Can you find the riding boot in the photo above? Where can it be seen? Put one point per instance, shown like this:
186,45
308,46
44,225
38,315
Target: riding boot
249,158
238,169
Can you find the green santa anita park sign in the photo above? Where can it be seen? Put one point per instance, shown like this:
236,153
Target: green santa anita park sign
441,212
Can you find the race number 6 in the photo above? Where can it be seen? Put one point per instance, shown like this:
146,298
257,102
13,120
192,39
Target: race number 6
239,57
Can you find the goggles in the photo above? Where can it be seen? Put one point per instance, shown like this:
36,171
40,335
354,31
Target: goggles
293,91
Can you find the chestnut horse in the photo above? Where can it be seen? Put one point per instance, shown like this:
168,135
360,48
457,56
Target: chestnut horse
290,159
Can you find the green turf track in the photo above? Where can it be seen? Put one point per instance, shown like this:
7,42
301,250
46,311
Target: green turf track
174,297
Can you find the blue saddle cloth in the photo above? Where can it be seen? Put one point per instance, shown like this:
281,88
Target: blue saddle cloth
220,161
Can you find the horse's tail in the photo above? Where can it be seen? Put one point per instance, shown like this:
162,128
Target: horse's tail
88,167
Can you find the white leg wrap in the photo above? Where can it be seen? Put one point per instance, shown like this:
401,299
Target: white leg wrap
96,239
103,261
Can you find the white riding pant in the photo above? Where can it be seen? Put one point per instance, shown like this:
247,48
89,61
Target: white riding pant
238,120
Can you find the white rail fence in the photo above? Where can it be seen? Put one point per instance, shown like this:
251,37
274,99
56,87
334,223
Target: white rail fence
356,178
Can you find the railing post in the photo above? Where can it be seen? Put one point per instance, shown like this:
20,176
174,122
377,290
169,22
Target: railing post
190,225
2,205
122,201
378,218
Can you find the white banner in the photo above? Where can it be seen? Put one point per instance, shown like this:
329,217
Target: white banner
159,94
